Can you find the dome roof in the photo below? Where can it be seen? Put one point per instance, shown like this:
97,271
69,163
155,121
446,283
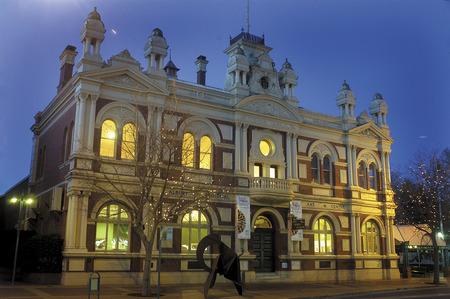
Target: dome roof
94,15
157,32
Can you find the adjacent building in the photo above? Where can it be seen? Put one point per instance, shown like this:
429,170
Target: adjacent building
333,169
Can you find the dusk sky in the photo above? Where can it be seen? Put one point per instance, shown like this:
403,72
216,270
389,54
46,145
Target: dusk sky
399,48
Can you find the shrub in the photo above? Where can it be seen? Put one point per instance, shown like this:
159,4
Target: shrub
43,254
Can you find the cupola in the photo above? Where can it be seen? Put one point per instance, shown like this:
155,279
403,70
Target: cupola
288,81
346,102
378,109
155,52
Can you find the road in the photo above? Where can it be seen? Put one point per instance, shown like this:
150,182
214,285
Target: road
432,292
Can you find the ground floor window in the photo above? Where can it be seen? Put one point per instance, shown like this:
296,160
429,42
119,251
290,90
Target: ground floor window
195,227
371,237
112,228
323,236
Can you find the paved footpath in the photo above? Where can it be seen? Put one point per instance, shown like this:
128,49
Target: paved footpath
267,290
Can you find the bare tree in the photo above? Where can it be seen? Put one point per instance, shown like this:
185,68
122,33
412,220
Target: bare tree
155,174
422,196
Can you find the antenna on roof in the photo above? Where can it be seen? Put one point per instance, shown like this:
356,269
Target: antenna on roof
248,23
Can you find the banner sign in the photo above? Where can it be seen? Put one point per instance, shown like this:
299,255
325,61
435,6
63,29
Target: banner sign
243,217
297,223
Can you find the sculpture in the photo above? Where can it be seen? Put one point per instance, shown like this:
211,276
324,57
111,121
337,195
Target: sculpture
226,263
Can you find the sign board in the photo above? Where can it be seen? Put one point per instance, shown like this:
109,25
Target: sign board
297,223
166,233
242,217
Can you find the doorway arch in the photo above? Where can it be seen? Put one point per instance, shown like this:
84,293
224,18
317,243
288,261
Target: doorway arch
263,244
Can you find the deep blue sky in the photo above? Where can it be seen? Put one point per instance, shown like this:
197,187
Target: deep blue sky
400,48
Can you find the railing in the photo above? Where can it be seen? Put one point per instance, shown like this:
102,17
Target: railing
247,36
269,183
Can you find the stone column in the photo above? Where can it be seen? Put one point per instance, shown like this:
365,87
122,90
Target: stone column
388,235
383,172
358,233
237,146
289,155
152,61
80,119
353,230
91,124
71,221
244,148
83,220
294,156
349,165
354,166
388,170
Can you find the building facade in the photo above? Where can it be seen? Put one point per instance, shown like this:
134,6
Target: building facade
336,169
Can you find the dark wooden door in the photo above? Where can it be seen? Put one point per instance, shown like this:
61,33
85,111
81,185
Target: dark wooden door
263,249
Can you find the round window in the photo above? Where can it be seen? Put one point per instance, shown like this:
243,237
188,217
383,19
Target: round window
266,147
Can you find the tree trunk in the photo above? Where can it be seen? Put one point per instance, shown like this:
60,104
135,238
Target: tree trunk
146,286
435,258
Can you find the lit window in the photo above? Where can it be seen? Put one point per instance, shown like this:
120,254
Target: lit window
372,177
327,170
362,175
273,172
129,141
108,139
112,229
257,170
323,236
262,222
205,152
187,158
370,237
315,169
266,147
194,228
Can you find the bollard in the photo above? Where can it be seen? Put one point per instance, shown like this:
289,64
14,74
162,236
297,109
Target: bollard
94,284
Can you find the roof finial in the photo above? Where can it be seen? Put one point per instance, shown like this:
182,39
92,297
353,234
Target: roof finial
248,21
170,54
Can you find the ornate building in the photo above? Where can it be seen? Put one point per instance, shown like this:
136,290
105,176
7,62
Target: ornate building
335,170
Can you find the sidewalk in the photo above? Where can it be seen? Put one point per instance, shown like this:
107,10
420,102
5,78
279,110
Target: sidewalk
272,290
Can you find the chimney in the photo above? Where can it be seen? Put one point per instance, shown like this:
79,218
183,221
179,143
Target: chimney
67,63
201,69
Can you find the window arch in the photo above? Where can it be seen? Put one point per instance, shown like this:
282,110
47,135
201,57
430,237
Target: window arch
128,141
373,176
370,237
64,144
323,236
188,151
108,139
362,175
327,170
112,229
315,169
195,226
205,152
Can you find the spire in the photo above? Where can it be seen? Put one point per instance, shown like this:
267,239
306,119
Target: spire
170,68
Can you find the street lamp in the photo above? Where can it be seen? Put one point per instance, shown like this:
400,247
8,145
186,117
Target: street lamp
21,200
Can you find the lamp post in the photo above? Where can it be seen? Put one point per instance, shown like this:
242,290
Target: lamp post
21,199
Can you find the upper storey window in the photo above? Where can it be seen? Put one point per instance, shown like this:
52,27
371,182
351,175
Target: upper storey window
266,147
188,151
315,169
327,170
205,152
108,139
128,141
362,175
372,177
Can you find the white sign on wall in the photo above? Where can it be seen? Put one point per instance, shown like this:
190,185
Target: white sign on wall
296,212
242,217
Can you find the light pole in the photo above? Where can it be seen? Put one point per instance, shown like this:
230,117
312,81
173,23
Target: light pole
21,199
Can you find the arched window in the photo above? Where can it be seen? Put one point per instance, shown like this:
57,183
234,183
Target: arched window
205,152
129,141
362,175
327,170
112,229
64,144
315,169
108,139
323,236
187,157
194,228
69,141
372,177
371,238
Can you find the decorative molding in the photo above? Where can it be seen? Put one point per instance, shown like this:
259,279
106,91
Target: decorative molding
126,81
268,108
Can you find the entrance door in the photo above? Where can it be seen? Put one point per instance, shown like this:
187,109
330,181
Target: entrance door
263,245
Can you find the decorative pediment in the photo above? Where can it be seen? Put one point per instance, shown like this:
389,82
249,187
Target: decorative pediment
268,107
370,130
125,81
126,78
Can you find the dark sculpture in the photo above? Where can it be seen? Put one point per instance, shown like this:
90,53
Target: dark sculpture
226,264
